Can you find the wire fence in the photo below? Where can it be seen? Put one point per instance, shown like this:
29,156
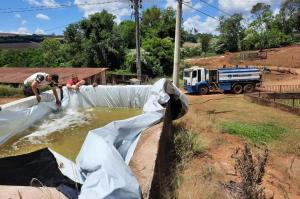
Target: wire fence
288,95
295,88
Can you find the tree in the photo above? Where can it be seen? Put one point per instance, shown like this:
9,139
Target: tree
262,22
127,32
50,51
288,19
150,23
160,52
205,39
97,41
231,31
158,23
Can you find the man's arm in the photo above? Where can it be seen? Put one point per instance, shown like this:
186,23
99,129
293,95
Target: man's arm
34,87
69,86
81,82
56,96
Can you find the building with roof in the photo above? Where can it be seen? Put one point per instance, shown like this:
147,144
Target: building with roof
15,76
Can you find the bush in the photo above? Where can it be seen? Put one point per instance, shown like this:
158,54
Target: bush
8,91
191,52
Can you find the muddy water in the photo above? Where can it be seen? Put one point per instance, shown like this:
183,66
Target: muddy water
64,132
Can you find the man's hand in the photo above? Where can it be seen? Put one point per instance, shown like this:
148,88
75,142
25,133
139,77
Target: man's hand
38,98
58,102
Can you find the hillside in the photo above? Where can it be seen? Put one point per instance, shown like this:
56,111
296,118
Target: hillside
22,41
286,57
278,57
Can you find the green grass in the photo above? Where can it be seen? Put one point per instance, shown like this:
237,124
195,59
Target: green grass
8,91
255,132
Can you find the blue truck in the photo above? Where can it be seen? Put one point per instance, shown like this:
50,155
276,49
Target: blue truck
198,80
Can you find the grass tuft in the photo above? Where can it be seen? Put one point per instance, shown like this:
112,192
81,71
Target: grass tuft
184,145
255,132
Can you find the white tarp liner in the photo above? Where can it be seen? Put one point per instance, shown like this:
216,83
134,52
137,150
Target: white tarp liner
102,163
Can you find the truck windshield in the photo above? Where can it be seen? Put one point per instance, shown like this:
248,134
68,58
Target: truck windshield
186,74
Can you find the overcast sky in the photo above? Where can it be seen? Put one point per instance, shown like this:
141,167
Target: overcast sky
45,20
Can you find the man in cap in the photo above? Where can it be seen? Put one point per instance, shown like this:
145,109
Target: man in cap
36,80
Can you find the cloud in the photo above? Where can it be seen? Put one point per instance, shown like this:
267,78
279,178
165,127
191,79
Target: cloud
18,16
243,6
276,11
22,30
42,17
119,8
39,31
208,25
46,3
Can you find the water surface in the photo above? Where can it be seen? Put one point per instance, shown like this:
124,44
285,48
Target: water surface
64,132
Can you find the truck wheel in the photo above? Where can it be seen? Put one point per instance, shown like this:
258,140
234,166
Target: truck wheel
248,88
237,89
203,90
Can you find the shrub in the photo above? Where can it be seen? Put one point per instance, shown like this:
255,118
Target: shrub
8,91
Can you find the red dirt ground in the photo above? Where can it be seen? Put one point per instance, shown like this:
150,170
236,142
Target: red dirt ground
282,178
286,57
4,100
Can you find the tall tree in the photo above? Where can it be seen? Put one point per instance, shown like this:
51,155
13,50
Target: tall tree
231,31
127,32
99,39
158,23
205,39
262,22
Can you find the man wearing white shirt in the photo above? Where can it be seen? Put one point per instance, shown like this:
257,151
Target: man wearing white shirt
36,80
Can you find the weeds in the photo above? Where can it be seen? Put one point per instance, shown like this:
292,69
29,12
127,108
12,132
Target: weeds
255,132
8,91
208,171
184,145
251,172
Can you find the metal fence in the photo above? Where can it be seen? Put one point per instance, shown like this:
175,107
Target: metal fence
253,55
288,95
280,88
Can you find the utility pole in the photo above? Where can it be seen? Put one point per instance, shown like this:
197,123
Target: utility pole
137,38
177,43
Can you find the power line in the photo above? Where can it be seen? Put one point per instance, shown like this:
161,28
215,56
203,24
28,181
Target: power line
37,8
215,7
62,26
200,11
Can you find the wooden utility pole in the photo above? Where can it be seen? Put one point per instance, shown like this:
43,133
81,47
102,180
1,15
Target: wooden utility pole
177,43
137,38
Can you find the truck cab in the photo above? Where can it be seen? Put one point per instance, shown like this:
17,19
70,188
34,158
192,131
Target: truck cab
198,80
194,78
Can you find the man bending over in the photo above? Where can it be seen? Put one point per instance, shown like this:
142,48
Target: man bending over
33,82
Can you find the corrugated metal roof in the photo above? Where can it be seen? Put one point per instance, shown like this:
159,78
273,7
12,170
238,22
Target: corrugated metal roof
18,75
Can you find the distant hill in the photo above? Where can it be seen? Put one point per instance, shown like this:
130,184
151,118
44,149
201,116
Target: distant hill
21,41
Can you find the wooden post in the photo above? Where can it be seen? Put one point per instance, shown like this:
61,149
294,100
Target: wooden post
177,43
